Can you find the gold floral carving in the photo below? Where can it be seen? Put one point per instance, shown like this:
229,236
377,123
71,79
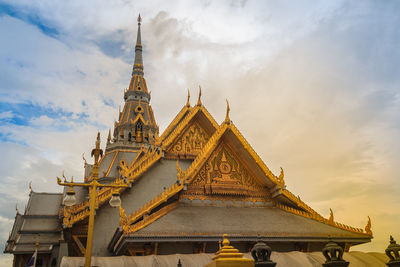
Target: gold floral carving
191,142
224,174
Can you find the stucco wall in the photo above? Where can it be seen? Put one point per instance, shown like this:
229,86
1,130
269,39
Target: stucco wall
152,183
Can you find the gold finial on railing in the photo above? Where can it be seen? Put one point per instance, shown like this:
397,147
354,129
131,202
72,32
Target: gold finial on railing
97,152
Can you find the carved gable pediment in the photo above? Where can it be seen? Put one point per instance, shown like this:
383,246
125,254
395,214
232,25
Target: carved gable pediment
225,173
190,135
191,141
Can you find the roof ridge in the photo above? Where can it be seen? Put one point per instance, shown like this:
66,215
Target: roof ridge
80,211
316,217
183,123
175,121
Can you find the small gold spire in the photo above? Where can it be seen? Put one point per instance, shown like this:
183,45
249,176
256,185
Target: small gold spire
83,157
179,169
65,179
225,242
188,99
16,208
227,119
139,19
199,100
97,152
109,136
30,187
368,227
281,177
331,218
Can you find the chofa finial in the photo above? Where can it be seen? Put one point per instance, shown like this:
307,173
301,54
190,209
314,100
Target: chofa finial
188,99
109,136
331,218
30,187
199,100
368,227
227,119
16,209
83,157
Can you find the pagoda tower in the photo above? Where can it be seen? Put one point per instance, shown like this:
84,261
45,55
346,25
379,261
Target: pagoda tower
136,126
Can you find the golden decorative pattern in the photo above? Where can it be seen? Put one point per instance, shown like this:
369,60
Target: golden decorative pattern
223,173
182,125
191,141
81,211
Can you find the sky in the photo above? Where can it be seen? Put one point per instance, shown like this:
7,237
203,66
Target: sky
314,86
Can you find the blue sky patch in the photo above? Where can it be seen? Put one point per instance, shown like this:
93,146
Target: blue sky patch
30,18
23,113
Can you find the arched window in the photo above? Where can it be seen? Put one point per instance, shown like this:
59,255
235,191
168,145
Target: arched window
139,126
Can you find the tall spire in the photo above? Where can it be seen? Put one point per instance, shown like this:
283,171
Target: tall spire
138,64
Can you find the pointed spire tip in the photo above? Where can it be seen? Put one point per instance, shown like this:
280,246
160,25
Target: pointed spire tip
199,100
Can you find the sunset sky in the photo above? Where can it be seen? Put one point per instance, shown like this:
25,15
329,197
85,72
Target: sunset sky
314,86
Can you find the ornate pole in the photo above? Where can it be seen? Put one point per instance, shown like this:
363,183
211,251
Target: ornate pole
93,185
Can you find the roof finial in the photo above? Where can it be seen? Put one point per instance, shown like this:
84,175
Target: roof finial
227,119
368,227
199,100
331,218
138,64
97,152
30,187
83,157
188,99
16,208
109,136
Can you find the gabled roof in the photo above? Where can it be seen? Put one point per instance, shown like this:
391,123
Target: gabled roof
184,119
39,223
283,200
178,118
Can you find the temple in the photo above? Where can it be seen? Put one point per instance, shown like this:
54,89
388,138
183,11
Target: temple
196,181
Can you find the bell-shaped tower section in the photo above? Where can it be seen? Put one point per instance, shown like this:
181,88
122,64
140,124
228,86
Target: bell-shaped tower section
136,125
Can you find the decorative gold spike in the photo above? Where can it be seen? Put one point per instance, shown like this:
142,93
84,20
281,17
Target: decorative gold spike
368,227
109,136
30,187
72,179
281,179
16,209
179,169
65,179
139,19
83,157
331,218
98,140
227,119
188,99
97,152
199,100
